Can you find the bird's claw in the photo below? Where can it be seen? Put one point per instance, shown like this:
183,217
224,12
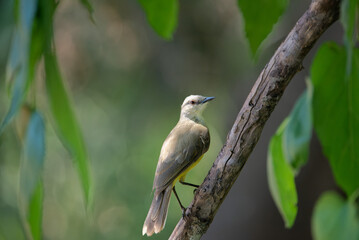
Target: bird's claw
184,215
183,212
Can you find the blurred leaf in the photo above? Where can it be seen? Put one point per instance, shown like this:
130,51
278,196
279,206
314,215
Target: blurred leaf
281,178
259,18
89,8
35,211
15,58
335,218
34,152
17,67
36,50
162,16
336,112
66,124
297,134
27,10
31,190
42,35
347,18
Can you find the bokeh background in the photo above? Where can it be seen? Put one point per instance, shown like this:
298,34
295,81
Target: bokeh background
127,85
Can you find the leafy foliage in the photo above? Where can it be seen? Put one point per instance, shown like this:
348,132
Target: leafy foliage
288,152
17,69
35,211
297,134
281,178
260,17
67,126
162,16
32,39
347,18
89,8
336,218
31,187
336,112
335,104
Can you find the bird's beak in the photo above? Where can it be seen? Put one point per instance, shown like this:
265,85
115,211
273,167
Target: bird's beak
207,99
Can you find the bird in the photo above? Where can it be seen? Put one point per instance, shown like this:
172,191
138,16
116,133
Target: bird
183,148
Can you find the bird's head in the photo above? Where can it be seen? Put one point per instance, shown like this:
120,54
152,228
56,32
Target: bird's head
194,105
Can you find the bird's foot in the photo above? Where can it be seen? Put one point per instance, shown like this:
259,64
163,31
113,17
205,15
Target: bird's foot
184,215
183,212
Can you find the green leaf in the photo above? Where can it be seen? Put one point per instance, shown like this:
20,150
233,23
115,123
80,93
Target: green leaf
36,50
34,152
42,35
65,121
281,179
35,211
259,18
335,218
347,18
297,134
162,16
17,66
31,189
89,8
27,10
336,112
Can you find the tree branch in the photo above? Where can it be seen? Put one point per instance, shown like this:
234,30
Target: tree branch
247,128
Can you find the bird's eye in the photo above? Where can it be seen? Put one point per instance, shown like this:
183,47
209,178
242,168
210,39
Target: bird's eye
192,102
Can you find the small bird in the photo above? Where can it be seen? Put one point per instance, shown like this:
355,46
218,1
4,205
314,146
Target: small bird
181,151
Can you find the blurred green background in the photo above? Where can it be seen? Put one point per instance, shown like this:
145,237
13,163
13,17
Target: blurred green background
127,86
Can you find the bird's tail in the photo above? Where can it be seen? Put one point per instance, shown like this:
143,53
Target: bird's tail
157,215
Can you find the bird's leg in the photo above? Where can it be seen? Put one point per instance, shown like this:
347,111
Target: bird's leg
190,184
179,201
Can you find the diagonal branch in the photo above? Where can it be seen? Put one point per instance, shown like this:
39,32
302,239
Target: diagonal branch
247,128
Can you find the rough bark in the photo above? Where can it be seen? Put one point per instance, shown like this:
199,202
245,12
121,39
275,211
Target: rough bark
247,128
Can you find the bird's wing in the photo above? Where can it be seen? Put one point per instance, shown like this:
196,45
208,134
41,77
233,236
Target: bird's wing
183,146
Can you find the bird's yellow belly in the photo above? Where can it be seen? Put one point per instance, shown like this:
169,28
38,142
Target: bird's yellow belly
182,176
